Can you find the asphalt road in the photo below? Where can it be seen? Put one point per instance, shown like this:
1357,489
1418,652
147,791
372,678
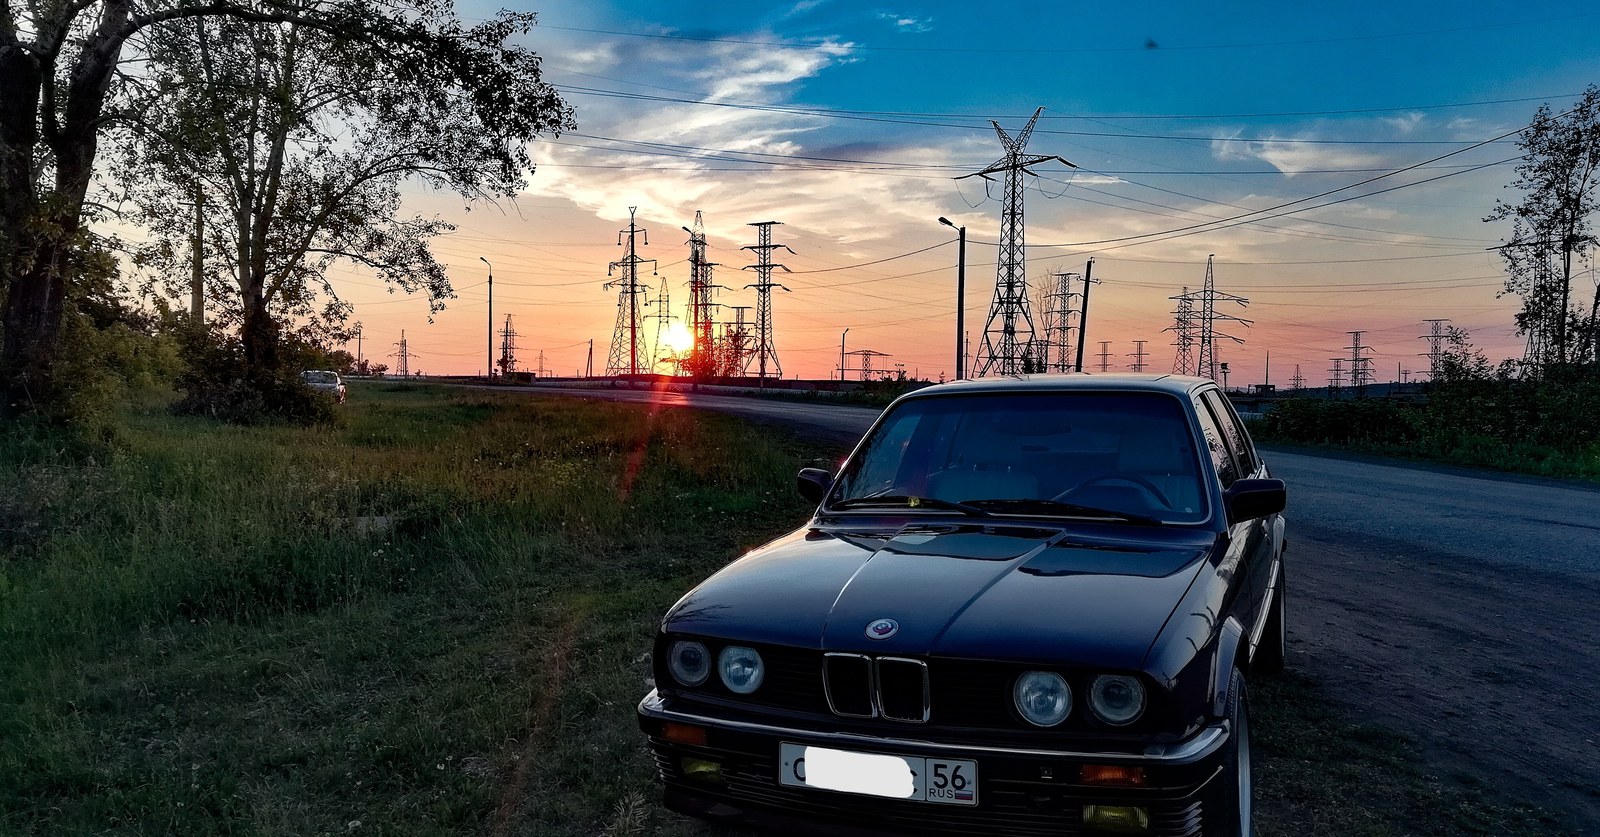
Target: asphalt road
1455,607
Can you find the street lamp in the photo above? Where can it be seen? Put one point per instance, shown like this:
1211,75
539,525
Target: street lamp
489,366
841,355
961,299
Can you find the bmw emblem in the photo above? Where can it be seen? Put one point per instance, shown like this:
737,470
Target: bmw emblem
882,628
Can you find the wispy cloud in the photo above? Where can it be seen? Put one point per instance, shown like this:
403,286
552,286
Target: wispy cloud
1292,156
907,23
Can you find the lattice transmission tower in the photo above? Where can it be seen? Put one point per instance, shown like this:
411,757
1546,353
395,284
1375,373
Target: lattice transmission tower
703,357
1336,376
403,355
1008,334
1298,382
1184,331
627,350
1206,366
1360,364
508,349
663,318
1138,354
766,343
1061,317
1435,338
734,352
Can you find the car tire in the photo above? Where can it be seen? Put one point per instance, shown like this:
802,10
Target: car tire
1272,654
1234,800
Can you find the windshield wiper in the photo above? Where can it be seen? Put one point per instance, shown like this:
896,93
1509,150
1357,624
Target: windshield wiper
1056,507
907,501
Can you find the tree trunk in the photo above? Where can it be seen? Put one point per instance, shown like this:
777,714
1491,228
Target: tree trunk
259,334
33,321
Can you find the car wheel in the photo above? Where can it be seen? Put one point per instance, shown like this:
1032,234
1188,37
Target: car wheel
1234,801
1273,652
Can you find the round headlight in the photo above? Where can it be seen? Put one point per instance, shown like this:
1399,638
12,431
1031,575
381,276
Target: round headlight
1116,699
689,662
1043,698
741,669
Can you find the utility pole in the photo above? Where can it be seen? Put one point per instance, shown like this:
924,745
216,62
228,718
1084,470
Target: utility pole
488,361
1138,354
1266,382
1083,318
961,300
625,336
588,366
841,355
358,345
767,341
1360,364
1009,329
1105,355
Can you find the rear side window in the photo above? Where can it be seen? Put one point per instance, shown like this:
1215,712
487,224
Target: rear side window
1216,446
1233,431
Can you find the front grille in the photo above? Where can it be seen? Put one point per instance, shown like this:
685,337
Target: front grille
848,679
903,689
893,688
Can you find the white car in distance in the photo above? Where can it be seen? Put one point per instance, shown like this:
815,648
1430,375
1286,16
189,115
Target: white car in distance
324,381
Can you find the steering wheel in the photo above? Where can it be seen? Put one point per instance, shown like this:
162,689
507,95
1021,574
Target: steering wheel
1138,481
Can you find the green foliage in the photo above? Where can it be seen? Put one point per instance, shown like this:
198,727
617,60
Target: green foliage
1363,421
218,383
429,616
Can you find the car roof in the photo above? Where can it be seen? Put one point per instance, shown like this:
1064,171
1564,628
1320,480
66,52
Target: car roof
1068,382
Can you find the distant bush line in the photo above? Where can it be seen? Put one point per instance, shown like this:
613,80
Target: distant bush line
1549,426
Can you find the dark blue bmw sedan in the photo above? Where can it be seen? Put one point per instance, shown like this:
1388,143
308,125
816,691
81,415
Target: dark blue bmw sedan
1023,606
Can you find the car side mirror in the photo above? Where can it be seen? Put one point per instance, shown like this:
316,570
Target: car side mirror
1250,499
813,483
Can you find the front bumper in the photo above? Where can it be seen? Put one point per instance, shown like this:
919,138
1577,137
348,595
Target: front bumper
1021,791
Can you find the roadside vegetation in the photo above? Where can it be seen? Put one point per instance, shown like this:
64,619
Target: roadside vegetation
1481,419
432,618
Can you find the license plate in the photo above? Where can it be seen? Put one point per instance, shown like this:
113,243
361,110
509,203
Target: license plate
944,781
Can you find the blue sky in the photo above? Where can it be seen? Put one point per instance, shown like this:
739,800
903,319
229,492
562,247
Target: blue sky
848,121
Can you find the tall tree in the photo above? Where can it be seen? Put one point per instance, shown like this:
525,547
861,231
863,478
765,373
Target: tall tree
61,85
1552,224
288,153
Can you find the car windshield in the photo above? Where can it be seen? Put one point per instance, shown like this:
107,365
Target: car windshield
320,377
1122,456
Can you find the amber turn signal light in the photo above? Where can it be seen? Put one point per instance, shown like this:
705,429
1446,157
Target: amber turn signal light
684,734
1112,774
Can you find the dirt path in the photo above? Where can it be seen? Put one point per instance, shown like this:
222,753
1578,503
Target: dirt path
1496,675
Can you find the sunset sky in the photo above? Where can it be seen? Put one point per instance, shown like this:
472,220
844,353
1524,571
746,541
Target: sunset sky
848,122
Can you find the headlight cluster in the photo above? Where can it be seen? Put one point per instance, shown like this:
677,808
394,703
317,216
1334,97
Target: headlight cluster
740,668
1044,699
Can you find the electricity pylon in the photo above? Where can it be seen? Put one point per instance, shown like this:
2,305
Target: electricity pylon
766,343
403,356
1360,364
663,318
626,348
1008,333
1209,297
1435,338
508,348
1061,320
1183,326
702,358
1138,354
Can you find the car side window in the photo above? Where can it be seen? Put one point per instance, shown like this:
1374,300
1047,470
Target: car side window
1221,457
1233,431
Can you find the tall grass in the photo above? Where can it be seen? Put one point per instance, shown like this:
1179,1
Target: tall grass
212,629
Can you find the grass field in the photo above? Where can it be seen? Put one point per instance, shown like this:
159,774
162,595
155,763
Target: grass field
433,620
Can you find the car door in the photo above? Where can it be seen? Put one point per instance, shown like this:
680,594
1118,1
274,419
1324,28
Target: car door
1255,536
1234,565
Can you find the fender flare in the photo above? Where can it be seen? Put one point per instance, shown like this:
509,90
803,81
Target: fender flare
1229,640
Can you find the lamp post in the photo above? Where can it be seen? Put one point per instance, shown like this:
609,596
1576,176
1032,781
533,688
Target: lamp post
961,299
841,355
489,366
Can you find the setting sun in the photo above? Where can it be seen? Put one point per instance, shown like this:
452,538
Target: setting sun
679,340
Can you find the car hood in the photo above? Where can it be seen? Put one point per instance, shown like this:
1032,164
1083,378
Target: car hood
999,592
